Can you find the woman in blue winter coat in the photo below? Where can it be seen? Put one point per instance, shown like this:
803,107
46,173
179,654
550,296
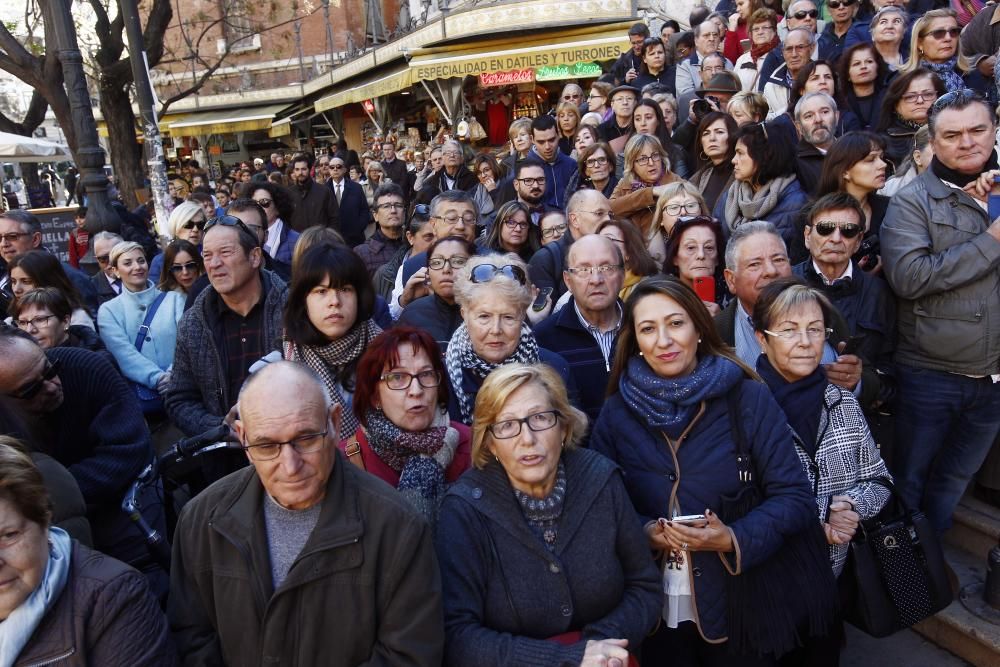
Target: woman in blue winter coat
764,184
120,318
667,423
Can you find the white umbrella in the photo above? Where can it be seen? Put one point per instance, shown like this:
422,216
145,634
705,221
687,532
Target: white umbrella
15,148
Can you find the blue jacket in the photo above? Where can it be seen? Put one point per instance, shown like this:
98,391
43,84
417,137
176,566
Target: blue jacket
562,333
557,176
785,215
505,593
703,470
118,321
354,212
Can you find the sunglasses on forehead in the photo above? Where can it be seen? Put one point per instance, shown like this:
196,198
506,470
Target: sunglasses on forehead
232,221
484,273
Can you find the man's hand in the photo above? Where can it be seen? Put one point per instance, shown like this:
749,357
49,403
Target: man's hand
845,371
981,187
415,288
630,75
986,66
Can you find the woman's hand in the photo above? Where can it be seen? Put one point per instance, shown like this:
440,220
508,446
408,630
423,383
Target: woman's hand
842,517
713,308
415,287
605,652
163,383
489,184
713,535
657,539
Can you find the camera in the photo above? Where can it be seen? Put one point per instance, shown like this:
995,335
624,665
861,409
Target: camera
868,252
704,106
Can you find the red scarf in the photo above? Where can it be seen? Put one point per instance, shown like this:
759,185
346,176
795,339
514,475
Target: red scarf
758,51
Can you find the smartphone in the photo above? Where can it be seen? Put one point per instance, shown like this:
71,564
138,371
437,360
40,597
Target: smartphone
745,45
539,303
854,344
688,519
705,288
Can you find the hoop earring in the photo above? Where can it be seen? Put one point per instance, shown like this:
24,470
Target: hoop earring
702,156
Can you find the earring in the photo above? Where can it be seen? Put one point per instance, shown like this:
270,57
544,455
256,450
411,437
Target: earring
640,354
495,458
699,341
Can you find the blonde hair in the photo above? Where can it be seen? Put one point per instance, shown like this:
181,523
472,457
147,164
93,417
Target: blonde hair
120,249
467,292
634,148
920,28
518,126
671,190
754,103
497,389
181,215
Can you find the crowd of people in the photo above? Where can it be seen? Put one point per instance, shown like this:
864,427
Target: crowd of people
497,405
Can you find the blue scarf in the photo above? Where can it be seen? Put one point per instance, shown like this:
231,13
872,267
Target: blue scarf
947,71
669,404
801,401
17,629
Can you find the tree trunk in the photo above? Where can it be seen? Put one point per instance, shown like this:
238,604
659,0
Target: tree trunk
124,150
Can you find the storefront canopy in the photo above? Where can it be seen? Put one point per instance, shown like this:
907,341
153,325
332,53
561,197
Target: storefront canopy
377,86
164,123
520,54
226,121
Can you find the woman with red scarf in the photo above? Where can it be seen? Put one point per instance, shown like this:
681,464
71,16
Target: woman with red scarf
763,29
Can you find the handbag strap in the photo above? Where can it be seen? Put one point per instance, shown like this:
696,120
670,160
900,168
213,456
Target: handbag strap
140,337
743,462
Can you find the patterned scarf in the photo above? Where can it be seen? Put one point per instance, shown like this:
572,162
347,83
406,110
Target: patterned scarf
947,71
420,457
758,51
460,357
328,361
542,514
669,404
744,205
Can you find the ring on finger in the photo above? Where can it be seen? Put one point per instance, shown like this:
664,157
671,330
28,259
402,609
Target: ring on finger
684,546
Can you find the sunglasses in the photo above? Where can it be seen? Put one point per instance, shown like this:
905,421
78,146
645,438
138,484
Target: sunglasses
848,230
181,268
264,203
233,221
194,224
484,273
811,13
29,392
103,259
940,33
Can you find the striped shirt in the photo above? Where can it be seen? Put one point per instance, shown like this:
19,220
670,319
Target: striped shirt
605,339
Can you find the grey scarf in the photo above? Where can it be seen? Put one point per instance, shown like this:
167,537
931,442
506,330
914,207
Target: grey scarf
743,205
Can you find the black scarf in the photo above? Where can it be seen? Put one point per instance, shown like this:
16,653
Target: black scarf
801,401
840,288
957,178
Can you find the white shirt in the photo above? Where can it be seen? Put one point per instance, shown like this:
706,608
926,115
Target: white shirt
848,273
273,237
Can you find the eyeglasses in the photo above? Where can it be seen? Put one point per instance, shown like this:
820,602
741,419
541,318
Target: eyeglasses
12,237
183,268
511,428
811,13
600,213
455,262
848,229
29,392
596,162
795,48
468,219
451,153
531,182
514,224
232,221
391,206
833,4
557,230
922,96
812,333
103,259
643,160
941,33
305,444
33,323
484,273
194,224
761,30
964,95
587,271
692,208
400,380
595,97
264,203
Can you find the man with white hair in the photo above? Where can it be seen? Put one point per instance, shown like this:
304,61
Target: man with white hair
797,50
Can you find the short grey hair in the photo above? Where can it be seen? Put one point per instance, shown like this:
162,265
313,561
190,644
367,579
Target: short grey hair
108,236
453,197
704,60
809,96
742,233
28,221
466,291
804,31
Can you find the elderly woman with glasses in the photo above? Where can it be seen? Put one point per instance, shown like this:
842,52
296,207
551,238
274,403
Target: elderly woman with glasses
187,223
45,312
595,170
405,437
647,173
543,560
935,46
494,294
511,231
139,326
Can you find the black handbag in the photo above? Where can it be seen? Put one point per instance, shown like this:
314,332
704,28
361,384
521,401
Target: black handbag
897,570
775,606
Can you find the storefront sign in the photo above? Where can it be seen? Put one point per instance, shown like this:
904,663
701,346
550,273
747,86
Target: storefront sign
574,71
514,77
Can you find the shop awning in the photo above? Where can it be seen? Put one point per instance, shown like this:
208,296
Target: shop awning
520,54
102,125
226,121
383,84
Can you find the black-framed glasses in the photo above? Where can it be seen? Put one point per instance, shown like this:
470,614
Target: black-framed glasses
195,224
511,428
689,208
555,230
484,273
232,221
304,444
186,266
923,96
847,229
29,392
964,95
532,181
514,224
455,262
643,160
33,323
12,237
391,206
596,161
398,380
941,33
811,13
467,219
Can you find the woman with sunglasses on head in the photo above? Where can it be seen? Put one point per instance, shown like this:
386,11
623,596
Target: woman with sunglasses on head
511,231
438,313
680,408
184,266
936,46
543,560
186,222
904,110
144,360
856,164
404,436
494,295
279,206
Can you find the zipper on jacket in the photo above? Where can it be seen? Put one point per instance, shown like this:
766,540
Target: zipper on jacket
249,562
49,661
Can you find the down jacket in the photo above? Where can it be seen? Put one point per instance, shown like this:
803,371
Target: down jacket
703,471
